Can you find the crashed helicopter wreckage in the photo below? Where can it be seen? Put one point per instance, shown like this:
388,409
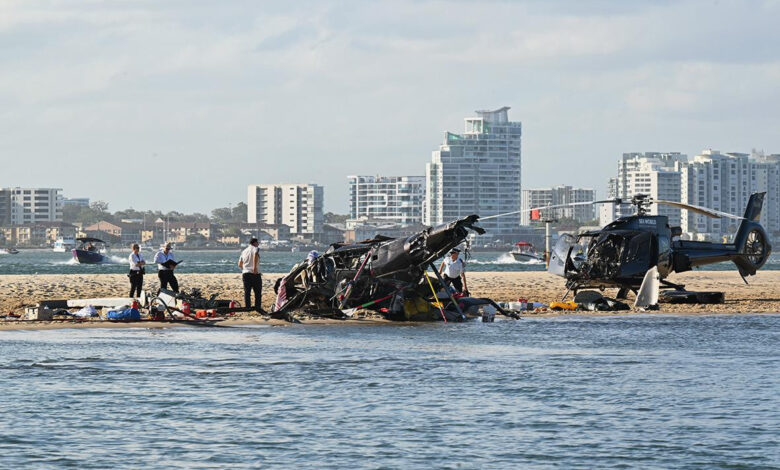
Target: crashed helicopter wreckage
385,275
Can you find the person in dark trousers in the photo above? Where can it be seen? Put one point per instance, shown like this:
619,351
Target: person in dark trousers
454,269
137,271
166,264
249,262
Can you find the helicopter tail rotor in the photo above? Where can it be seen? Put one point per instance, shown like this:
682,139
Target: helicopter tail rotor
751,240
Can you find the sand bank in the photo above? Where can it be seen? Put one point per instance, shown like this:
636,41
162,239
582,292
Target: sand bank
18,291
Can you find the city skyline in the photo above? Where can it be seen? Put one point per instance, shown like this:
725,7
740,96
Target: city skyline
218,97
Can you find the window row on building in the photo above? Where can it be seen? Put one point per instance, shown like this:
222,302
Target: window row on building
720,181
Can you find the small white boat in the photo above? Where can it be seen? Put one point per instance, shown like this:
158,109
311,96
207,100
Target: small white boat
64,244
9,251
525,252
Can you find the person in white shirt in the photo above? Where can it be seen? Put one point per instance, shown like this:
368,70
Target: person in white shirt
249,262
454,269
166,264
137,270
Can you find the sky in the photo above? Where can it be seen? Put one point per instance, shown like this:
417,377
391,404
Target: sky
179,105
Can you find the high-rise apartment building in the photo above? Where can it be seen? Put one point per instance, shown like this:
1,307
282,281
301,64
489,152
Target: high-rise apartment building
299,206
724,182
5,206
656,174
766,177
560,195
477,172
720,181
31,205
397,199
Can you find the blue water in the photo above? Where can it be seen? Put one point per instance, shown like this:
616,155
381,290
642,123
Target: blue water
573,392
224,261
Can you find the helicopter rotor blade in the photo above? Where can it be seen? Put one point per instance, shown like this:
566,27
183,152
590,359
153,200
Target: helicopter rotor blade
617,200
715,214
558,206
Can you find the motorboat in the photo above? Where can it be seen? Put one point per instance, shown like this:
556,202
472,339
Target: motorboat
9,251
64,244
90,251
526,252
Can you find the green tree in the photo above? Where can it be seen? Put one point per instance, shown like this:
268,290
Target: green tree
221,215
99,207
331,218
239,212
226,215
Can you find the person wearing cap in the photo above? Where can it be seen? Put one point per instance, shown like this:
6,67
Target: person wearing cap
166,264
454,271
249,262
137,270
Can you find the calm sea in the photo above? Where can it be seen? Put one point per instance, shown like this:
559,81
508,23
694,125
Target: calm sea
575,392
48,262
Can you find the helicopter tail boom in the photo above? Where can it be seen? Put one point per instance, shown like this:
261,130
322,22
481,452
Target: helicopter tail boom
749,251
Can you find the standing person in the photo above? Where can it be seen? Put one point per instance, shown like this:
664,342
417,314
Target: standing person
454,269
137,271
166,264
249,262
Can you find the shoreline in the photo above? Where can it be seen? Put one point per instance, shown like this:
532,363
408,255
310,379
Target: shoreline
762,296
358,322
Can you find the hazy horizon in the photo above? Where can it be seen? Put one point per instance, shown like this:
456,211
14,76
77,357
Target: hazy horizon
181,105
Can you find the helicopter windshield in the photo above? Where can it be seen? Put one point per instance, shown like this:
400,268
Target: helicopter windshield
559,254
579,251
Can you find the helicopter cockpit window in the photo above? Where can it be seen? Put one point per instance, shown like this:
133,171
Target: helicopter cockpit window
559,253
579,251
639,247
663,244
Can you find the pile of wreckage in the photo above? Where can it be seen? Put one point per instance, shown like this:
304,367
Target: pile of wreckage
384,276
167,306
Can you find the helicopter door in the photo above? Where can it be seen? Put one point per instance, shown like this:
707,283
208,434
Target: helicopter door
559,254
638,256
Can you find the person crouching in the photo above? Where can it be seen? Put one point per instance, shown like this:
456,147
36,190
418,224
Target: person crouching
454,269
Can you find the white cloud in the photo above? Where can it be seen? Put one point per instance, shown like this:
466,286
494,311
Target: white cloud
340,88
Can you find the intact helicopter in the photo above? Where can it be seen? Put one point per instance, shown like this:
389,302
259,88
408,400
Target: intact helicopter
624,251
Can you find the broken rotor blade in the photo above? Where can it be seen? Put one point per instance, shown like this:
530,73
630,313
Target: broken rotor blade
715,214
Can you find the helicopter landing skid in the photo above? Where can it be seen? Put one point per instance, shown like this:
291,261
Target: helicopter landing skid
670,285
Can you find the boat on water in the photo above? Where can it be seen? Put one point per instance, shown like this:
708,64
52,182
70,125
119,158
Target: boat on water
64,244
9,251
526,252
90,251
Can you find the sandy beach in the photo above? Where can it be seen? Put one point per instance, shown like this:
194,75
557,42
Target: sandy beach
18,291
